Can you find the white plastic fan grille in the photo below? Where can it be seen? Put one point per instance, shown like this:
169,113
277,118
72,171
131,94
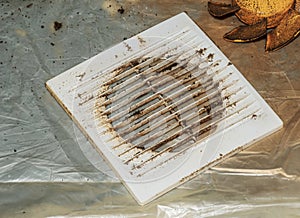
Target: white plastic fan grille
163,106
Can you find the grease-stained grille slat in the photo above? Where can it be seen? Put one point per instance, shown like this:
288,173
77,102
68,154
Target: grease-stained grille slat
185,140
203,110
162,101
197,103
201,129
161,48
161,66
192,88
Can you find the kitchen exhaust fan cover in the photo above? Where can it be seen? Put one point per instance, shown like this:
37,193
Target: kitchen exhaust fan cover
163,106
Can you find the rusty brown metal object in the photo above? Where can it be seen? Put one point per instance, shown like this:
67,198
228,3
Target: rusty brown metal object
260,15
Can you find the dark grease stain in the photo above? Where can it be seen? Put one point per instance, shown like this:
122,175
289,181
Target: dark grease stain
57,25
29,5
210,57
121,10
201,51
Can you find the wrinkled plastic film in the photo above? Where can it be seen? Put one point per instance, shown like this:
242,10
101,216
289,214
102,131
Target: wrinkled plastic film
48,168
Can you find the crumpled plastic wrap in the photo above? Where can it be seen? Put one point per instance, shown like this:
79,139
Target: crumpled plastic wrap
48,168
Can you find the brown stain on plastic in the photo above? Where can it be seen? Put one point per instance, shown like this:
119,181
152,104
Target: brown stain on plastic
136,114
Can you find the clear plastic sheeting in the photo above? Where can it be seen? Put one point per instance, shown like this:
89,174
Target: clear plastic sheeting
48,168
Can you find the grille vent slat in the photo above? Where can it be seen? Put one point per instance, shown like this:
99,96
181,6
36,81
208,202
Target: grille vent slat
202,110
199,132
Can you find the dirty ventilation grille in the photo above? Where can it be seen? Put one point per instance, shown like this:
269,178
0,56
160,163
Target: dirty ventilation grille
167,100
163,106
